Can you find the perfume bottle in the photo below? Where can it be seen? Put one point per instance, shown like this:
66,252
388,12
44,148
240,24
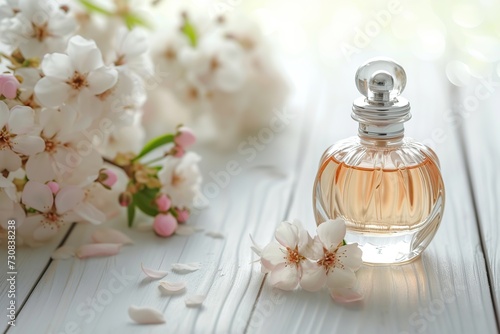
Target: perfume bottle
387,187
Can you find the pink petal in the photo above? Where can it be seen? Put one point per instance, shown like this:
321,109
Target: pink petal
284,277
164,224
313,277
145,315
154,274
111,178
54,186
108,235
287,235
331,233
185,137
95,250
37,196
182,215
68,198
346,295
8,85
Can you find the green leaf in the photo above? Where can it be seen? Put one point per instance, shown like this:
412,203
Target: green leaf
344,243
190,32
92,7
144,200
132,21
153,144
131,214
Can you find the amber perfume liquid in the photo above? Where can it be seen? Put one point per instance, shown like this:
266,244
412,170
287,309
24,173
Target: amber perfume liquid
391,212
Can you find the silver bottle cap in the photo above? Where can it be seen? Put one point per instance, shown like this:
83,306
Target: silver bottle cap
381,112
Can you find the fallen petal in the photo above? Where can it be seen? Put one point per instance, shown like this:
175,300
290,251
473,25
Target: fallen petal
94,250
184,268
155,274
110,236
145,315
184,230
194,301
215,235
345,295
63,253
172,287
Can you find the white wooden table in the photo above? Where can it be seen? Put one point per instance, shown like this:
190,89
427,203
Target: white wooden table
453,288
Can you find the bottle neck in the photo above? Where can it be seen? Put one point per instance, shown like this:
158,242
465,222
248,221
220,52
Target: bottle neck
381,141
381,131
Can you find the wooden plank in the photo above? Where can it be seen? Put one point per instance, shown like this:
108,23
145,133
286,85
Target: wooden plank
250,204
30,264
481,140
446,291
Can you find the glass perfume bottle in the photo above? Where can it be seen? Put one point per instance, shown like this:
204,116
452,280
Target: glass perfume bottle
387,187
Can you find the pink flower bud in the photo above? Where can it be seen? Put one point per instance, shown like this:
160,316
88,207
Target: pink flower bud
54,187
8,85
108,178
125,199
163,203
179,151
185,137
182,215
164,224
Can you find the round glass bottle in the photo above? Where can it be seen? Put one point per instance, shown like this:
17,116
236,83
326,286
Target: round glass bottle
387,187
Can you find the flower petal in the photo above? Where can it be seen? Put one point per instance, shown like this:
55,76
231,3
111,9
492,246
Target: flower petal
184,230
145,315
21,120
57,65
287,234
273,254
183,268
9,160
68,198
84,54
39,167
284,277
172,287
37,196
350,256
94,250
154,274
214,234
108,235
346,295
52,92
195,301
89,213
313,277
331,233
101,80
340,278
4,114
28,145
45,232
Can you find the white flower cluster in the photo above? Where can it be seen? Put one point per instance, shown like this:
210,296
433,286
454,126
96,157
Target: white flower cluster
65,109
296,258
221,70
